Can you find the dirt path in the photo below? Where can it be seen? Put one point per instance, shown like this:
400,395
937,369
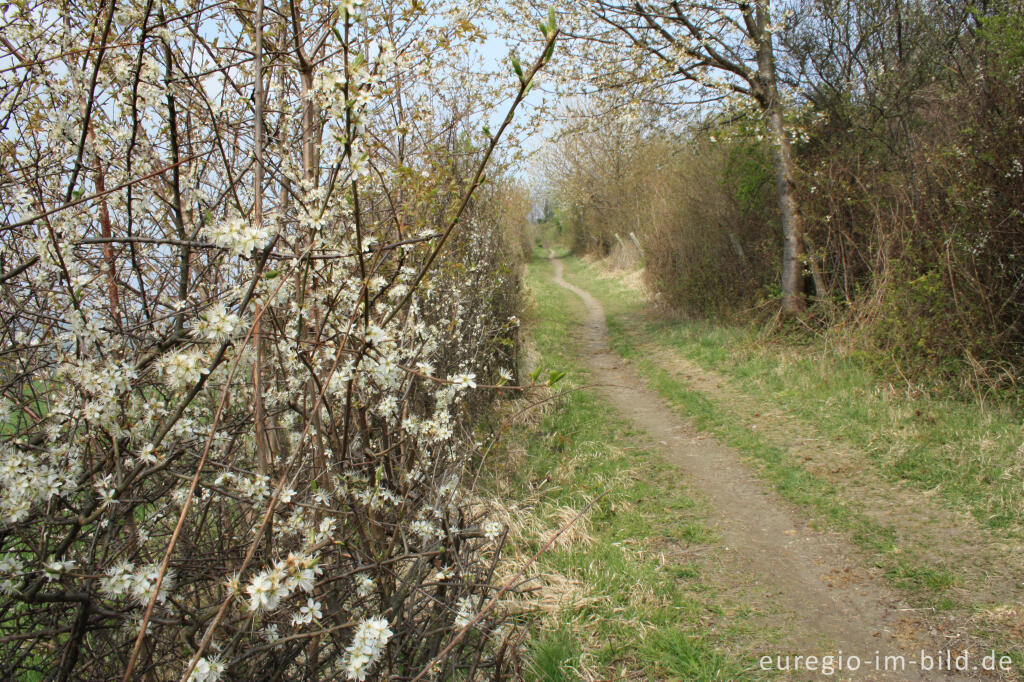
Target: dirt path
809,580
988,568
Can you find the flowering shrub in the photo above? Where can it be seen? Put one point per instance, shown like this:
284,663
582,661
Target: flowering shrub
236,359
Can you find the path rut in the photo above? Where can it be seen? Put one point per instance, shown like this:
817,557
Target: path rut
811,579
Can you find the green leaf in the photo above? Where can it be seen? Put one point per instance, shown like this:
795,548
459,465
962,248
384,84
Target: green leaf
555,377
517,66
548,29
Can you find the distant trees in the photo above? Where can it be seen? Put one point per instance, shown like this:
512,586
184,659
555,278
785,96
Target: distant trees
713,49
703,210
894,130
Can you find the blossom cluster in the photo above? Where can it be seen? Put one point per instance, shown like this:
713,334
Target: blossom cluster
368,644
267,589
240,237
224,436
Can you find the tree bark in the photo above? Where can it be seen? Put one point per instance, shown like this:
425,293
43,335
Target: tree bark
782,158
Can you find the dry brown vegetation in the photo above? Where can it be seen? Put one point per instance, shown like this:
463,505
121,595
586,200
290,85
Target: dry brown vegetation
907,120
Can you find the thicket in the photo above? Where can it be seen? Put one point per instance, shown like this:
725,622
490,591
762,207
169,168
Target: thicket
908,129
913,181
251,291
699,209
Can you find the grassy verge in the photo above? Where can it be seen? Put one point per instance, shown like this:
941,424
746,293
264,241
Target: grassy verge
792,480
970,453
636,606
960,449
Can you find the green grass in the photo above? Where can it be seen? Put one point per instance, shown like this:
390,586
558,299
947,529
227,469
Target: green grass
965,451
969,453
801,487
552,655
925,585
638,612
680,657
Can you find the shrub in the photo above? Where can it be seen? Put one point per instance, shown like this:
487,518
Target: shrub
237,364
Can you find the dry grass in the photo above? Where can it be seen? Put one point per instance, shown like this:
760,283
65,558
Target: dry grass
563,533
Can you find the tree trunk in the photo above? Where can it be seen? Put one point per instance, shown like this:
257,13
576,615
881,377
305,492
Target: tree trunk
782,158
792,226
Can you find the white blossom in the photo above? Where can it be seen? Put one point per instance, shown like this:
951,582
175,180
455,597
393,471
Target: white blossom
118,580
308,613
144,579
238,236
10,569
492,529
56,568
464,612
217,324
368,644
265,591
183,369
364,584
207,670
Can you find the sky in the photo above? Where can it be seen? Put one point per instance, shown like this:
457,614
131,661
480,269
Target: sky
494,54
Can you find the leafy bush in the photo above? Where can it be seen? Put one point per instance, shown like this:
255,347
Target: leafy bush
912,190
907,123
